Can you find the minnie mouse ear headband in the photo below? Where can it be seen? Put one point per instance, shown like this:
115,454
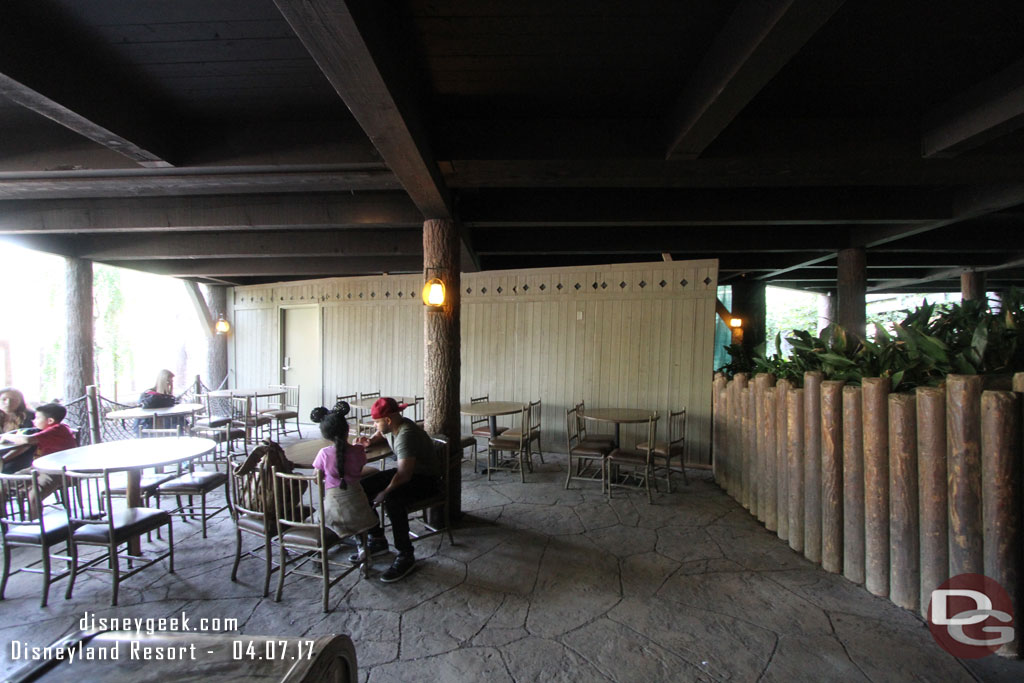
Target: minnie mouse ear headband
383,407
340,408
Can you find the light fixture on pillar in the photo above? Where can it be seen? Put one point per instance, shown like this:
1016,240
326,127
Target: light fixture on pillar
433,290
222,326
736,327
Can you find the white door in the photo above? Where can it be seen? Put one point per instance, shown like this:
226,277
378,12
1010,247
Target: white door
300,355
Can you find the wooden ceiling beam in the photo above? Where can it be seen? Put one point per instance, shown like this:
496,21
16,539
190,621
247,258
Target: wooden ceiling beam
985,112
1017,261
72,83
759,39
350,42
283,267
193,181
218,213
249,244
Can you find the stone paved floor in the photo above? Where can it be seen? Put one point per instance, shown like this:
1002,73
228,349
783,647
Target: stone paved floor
549,584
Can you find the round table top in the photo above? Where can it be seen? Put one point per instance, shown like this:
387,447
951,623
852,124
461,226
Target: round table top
303,453
227,393
169,411
492,408
118,456
618,415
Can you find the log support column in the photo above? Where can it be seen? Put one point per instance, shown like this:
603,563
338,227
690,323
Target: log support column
851,286
78,353
442,349
217,344
972,286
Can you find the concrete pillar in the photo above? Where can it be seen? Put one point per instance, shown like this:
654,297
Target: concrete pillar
748,303
972,285
442,353
78,351
851,286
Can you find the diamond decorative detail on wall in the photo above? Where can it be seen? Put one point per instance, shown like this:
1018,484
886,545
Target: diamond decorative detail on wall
515,288
469,290
542,286
604,285
387,295
526,287
683,282
594,285
373,295
642,284
360,295
282,298
707,281
662,283
483,290
622,285
577,285
559,287
291,298
400,294
499,290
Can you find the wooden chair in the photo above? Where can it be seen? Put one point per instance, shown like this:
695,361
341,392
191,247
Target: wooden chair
249,507
534,429
192,483
591,440
365,426
589,458
518,447
20,528
307,539
665,451
638,462
216,412
244,415
152,479
443,454
287,408
480,428
96,523
418,412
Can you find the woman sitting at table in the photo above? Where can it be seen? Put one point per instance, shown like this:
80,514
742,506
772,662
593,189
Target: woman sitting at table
160,395
346,508
14,414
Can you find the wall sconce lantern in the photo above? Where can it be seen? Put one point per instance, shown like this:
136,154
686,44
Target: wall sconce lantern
222,326
433,291
736,327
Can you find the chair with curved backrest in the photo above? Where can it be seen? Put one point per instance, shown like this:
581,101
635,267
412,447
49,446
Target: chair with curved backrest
250,496
590,440
675,447
638,462
585,461
440,499
534,429
479,427
95,522
152,479
19,527
287,408
518,448
365,426
306,539
244,415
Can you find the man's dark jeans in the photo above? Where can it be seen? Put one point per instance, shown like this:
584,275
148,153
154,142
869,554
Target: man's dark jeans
396,503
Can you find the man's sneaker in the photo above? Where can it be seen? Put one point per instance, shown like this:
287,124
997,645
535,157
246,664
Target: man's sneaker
402,565
378,546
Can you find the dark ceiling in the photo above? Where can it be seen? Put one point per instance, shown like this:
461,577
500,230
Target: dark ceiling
246,141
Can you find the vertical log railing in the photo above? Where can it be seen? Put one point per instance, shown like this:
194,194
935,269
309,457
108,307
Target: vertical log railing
899,492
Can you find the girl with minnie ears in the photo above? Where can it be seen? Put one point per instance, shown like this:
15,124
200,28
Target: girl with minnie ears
346,508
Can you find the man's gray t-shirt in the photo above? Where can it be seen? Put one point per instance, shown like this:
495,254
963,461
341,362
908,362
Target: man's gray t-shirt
409,440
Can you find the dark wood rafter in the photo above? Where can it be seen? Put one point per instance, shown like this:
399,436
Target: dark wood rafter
324,266
947,274
756,42
987,111
336,35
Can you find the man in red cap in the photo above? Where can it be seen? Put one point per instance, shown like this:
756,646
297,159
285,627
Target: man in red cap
415,478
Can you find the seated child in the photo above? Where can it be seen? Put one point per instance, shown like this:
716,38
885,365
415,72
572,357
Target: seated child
53,436
346,509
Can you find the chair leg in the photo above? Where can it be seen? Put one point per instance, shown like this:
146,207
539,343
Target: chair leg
238,553
115,573
202,507
170,545
73,553
46,574
682,468
7,571
568,469
326,572
280,572
266,574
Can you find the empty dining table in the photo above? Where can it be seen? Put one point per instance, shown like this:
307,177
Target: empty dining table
618,417
492,410
139,413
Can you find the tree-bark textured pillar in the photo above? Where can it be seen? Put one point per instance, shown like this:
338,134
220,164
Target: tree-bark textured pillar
217,344
972,285
826,311
748,303
78,358
442,356
851,286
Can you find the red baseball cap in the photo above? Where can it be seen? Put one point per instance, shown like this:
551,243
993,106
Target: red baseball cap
385,406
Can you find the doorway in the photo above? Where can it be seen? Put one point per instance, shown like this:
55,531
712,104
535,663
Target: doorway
300,355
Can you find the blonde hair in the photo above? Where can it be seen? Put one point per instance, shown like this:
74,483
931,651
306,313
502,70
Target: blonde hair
164,380
17,417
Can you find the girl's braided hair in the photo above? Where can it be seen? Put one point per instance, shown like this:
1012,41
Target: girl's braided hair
334,427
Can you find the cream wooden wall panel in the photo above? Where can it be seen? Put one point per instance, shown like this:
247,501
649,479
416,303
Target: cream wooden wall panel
644,338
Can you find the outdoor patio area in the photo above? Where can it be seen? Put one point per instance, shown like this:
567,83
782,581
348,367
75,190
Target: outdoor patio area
550,584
